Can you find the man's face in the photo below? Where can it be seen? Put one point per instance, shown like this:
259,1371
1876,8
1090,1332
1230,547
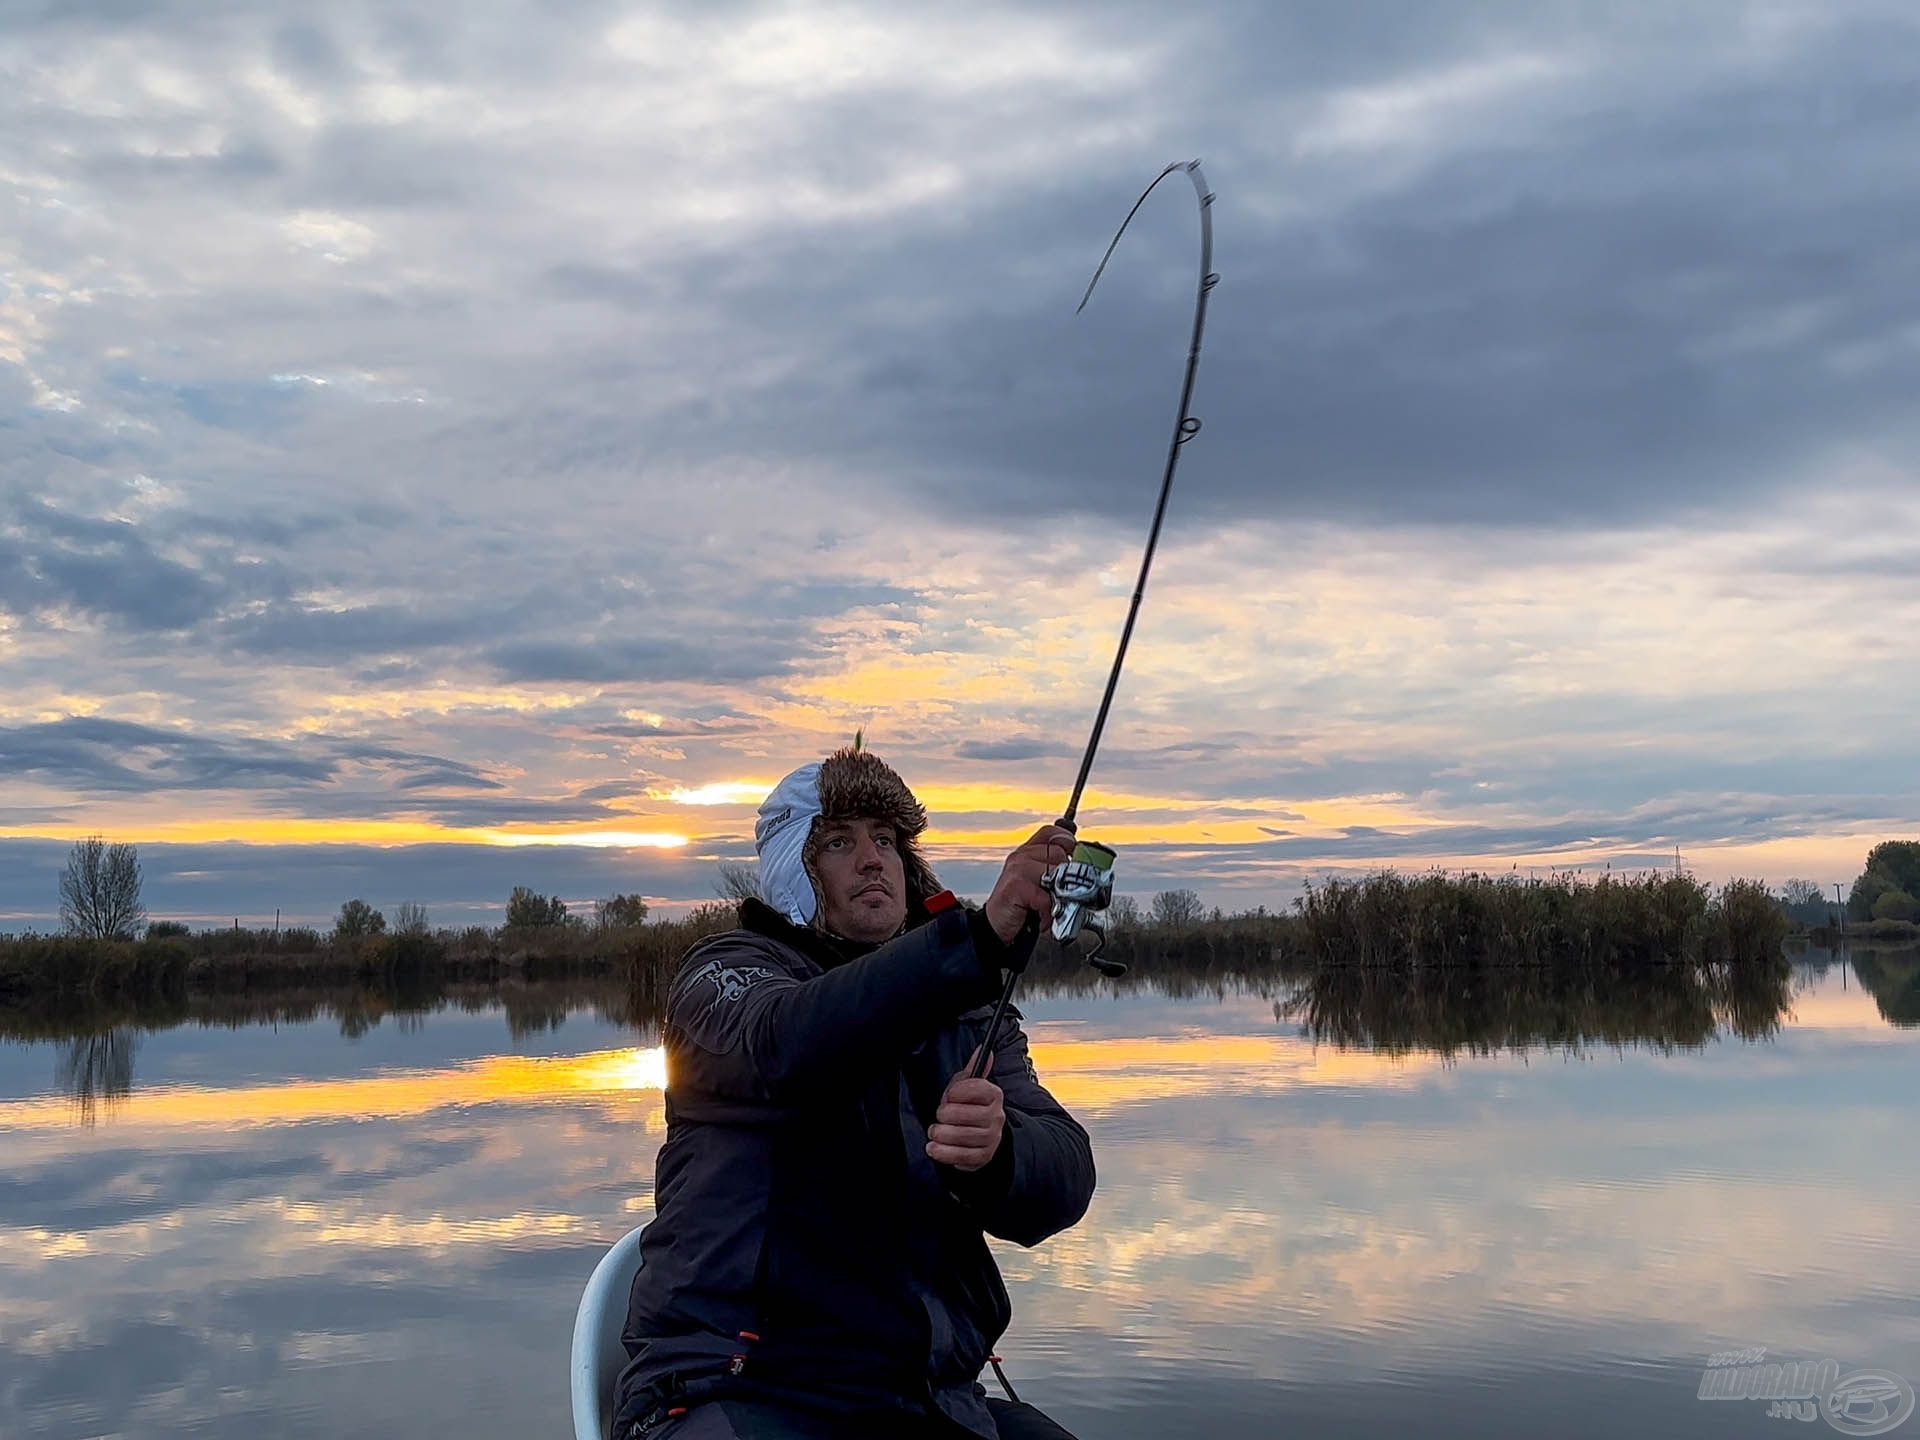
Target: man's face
863,883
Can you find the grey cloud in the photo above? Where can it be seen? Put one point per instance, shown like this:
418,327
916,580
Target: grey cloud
510,810
448,778
1606,313
1701,823
1016,747
698,724
248,161
312,635
612,790
99,568
310,52
94,754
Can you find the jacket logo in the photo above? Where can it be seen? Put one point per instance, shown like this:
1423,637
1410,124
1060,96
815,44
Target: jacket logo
730,982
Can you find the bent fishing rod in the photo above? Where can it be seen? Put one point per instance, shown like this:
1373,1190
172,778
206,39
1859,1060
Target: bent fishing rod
1082,885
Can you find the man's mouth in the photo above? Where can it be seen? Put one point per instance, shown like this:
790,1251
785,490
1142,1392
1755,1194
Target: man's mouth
875,889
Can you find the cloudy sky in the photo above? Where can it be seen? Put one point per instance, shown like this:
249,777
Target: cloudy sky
450,447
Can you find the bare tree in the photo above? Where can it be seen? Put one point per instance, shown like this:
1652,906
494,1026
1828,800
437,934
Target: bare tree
1799,892
1176,909
1124,913
410,919
100,890
738,882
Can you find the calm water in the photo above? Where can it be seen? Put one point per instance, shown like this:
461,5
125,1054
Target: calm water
358,1222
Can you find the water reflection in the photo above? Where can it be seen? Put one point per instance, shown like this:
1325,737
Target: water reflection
1893,977
1453,1010
97,1069
286,1230
383,1094
1446,1011
98,1040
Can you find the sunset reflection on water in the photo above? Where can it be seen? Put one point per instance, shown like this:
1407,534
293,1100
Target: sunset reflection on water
292,1232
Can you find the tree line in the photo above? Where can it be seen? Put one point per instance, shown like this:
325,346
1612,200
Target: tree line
100,898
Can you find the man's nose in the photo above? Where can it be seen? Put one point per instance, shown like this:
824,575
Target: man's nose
867,857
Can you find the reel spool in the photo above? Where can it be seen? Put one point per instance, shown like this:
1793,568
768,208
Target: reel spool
1082,889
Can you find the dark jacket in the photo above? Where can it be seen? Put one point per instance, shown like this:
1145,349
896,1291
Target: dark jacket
804,1247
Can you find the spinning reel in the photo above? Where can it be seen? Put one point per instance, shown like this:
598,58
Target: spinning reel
1082,889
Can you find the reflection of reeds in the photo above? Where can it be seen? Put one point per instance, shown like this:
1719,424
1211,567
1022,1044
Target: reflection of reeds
1445,1009
1471,1009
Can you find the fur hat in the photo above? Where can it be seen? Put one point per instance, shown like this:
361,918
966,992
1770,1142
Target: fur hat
850,784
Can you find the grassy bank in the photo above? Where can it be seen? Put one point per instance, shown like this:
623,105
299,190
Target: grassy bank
1871,934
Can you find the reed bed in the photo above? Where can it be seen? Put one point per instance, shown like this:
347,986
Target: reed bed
1476,919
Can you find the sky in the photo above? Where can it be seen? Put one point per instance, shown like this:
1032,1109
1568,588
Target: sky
446,449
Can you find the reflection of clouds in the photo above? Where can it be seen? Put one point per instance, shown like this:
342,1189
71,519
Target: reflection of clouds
325,1225
1626,1206
1091,1076
493,1080
410,1252
408,1265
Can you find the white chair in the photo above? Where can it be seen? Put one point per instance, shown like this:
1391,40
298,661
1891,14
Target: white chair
598,1355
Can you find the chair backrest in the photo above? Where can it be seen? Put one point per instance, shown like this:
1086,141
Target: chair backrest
598,1355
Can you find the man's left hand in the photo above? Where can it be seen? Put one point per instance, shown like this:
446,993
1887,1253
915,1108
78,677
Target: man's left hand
969,1124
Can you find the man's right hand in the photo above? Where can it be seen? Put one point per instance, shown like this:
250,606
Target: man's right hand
1017,893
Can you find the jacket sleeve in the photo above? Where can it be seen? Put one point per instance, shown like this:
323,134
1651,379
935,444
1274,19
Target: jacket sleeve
1041,1179
747,1031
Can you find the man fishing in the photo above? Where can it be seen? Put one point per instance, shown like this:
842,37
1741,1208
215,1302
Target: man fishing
817,1266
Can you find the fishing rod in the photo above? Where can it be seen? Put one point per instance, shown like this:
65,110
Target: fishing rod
1082,885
